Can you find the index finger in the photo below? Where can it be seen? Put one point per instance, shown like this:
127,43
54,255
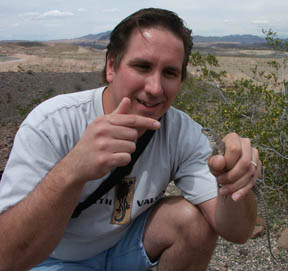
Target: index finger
234,150
134,121
239,161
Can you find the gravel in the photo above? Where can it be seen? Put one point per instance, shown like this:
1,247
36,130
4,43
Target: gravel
254,254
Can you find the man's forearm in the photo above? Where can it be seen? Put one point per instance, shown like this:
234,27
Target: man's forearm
31,229
235,221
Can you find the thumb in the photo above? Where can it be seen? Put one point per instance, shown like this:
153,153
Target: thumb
123,107
217,164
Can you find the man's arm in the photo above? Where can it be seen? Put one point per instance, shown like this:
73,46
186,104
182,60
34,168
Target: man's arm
31,229
233,213
234,221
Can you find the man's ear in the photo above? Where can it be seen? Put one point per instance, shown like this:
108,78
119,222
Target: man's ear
110,69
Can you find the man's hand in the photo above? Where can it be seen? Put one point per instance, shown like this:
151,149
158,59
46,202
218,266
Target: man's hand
108,142
234,171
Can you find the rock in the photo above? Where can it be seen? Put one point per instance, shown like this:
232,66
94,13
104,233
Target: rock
283,239
243,252
259,229
258,232
223,267
260,221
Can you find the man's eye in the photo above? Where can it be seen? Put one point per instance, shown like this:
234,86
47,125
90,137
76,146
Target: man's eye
171,73
142,67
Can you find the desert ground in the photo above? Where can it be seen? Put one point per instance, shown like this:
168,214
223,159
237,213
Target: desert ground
31,73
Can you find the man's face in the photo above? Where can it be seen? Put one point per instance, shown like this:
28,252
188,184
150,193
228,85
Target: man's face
149,73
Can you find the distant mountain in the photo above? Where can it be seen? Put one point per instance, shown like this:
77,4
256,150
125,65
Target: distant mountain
94,37
244,39
101,40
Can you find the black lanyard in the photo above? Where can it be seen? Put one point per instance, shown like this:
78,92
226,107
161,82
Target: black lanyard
116,176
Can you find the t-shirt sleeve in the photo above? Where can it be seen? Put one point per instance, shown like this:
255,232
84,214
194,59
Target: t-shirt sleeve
193,176
32,156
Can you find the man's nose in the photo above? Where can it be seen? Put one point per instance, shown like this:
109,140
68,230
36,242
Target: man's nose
154,84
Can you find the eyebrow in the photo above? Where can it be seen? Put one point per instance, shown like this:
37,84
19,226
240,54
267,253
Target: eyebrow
139,60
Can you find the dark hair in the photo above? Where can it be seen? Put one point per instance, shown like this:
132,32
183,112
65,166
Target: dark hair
146,18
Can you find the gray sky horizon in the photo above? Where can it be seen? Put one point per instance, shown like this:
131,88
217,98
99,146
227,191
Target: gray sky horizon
60,19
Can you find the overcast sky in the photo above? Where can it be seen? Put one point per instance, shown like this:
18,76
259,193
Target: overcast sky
60,19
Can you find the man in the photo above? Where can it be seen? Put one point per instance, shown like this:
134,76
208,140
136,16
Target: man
68,146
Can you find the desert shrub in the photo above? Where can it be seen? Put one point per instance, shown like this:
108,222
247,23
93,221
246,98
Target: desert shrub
280,46
78,87
250,108
31,44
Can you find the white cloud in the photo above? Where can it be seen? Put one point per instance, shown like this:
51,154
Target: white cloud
51,14
82,9
55,13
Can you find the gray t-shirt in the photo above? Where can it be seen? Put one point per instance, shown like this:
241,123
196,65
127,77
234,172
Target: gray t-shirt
176,152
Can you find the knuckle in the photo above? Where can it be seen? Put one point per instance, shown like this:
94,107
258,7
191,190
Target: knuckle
131,120
110,118
102,160
246,164
235,149
233,134
102,144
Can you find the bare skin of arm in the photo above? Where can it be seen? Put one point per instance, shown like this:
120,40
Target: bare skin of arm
232,214
32,228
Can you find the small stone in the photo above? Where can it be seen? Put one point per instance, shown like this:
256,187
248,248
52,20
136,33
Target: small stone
243,251
260,221
283,239
258,232
223,267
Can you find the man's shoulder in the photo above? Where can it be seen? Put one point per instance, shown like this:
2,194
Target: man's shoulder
67,101
63,105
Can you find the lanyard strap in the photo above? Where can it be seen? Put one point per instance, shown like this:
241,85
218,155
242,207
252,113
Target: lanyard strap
116,176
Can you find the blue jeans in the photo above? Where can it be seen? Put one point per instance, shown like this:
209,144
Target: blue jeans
127,254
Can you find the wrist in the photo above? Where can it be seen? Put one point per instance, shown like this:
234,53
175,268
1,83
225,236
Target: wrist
64,175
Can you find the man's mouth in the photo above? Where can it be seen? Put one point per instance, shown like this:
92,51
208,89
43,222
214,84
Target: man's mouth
147,104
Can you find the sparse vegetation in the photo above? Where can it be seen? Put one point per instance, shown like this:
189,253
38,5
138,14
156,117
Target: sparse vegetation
78,87
253,108
24,109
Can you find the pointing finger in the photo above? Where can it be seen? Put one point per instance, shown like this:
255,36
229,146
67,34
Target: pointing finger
134,121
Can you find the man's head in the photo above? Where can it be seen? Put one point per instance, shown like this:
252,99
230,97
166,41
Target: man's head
147,18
